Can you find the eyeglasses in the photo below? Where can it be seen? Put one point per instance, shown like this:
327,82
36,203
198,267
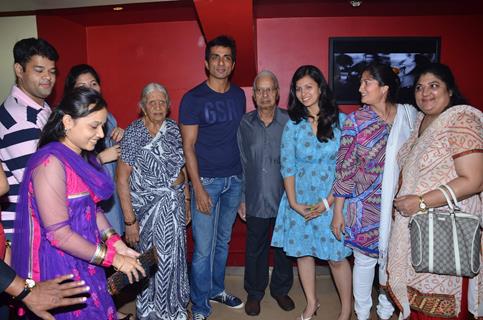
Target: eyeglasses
268,91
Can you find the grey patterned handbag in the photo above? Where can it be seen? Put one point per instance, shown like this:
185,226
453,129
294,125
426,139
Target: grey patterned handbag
446,241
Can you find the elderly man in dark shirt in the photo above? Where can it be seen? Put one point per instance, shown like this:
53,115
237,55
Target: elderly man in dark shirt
259,137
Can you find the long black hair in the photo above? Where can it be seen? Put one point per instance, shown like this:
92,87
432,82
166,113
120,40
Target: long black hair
76,104
443,73
328,116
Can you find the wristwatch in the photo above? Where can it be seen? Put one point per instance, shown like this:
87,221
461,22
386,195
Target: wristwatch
28,286
422,205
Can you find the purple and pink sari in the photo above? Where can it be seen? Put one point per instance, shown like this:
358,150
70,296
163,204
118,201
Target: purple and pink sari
57,225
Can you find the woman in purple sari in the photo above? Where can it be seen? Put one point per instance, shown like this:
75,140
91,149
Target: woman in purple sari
59,229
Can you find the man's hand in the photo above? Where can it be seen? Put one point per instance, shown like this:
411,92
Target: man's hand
52,294
203,201
242,211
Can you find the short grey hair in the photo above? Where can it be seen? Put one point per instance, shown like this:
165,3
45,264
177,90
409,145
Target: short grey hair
265,73
150,87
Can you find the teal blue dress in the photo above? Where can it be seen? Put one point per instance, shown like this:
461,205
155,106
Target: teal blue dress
312,163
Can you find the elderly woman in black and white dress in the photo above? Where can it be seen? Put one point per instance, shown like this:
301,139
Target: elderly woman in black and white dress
151,186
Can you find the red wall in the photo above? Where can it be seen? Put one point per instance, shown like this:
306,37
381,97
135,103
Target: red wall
129,56
286,43
69,39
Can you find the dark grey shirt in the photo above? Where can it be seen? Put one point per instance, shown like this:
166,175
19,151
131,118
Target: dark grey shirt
260,156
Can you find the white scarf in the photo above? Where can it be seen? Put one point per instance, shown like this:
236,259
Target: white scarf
402,127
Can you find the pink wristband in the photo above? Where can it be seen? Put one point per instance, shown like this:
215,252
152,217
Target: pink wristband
111,252
112,240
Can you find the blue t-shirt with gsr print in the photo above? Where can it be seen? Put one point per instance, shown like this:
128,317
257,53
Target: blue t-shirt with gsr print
218,116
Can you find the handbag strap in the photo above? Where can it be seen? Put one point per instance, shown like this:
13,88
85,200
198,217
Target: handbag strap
457,258
448,199
453,196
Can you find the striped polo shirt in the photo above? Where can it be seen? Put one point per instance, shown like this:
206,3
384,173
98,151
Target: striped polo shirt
21,121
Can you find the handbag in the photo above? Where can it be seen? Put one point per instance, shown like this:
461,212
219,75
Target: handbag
447,240
119,280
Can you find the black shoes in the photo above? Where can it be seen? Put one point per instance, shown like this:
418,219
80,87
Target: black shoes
285,302
252,307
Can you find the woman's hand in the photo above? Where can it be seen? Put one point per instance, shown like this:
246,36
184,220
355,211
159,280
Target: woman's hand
132,234
129,266
187,204
123,249
338,224
316,210
117,134
407,205
302,209
110,154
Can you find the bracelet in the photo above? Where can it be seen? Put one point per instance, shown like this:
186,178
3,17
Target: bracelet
112,240
326,204
109,257
107,233
99,255
130,223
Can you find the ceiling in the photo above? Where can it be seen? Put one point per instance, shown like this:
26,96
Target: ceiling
234,17
100,12
33,5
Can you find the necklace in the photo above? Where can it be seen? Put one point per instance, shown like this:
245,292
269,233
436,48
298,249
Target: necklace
388,115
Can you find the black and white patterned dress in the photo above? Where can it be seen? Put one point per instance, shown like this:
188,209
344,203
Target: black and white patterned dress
159,207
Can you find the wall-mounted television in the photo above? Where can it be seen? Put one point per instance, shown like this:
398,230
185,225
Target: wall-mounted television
348,56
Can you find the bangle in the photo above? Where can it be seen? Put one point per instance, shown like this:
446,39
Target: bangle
112,240
130,223
109,257
107,233
99,255
326,204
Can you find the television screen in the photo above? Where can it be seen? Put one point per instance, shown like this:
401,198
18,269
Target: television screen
349,56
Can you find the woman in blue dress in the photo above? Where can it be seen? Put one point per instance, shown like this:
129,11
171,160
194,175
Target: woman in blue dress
308,157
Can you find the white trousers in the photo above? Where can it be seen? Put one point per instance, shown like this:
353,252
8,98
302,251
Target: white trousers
362,279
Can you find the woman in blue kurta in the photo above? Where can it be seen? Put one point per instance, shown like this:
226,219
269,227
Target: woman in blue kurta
308,158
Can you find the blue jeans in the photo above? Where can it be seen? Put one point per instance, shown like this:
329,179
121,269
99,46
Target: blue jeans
211,235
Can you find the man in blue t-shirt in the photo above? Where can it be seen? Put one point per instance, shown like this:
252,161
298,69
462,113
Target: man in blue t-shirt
210,115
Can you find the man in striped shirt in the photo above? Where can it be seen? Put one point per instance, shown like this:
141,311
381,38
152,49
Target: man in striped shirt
23,115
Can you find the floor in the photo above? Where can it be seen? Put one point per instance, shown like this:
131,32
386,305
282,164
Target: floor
329,300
